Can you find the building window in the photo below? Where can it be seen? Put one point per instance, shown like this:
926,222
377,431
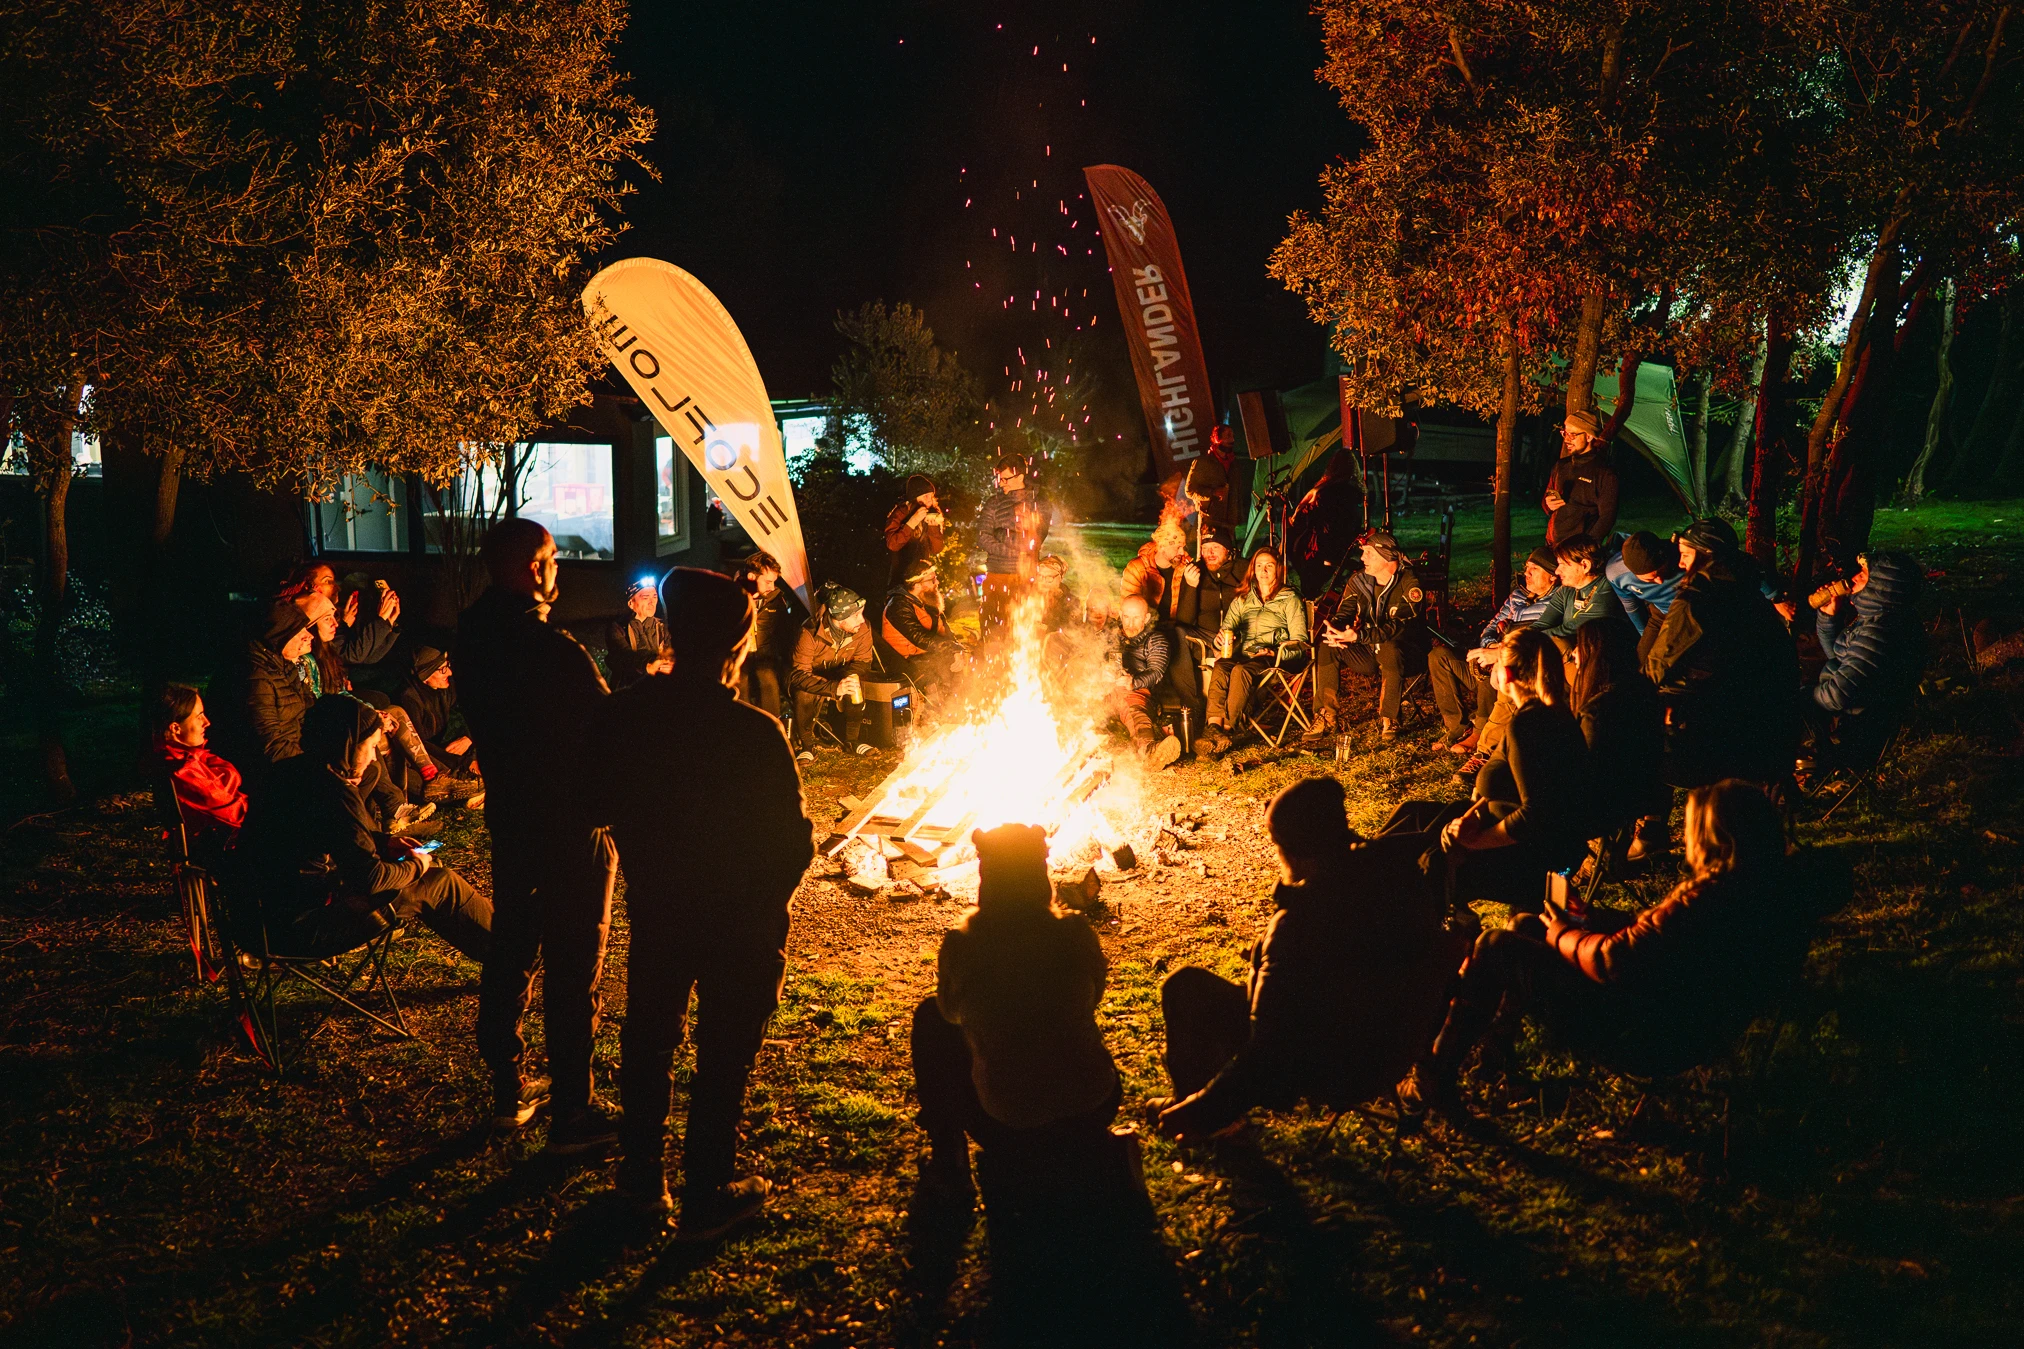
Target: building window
671,516
458,515
84,456
567,487
366,514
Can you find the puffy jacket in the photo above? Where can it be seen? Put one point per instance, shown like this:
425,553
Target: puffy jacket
1147,657
1143,577
1520,608
277,697
823,653
1010,545
1261,625
1875,646
207,788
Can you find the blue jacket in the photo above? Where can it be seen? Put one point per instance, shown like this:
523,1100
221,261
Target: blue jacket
1875,646
1644,599
1521,609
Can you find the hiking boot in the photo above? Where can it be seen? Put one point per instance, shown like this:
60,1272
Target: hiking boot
948,1185
436,787
461,786
1213,740
711,1213
1160,754
1323,728
476,802
590,1129
862,749
806,756
513,1106
1466,744
1387,730
1424,1090
1470,767
407,815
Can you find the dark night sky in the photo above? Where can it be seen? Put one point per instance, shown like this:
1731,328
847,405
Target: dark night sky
818,155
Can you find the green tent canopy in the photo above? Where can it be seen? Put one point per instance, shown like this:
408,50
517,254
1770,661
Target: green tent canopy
1654,429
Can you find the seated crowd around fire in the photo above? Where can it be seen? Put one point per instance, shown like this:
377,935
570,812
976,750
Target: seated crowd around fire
1617,671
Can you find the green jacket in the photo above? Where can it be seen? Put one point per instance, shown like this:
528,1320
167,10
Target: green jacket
1261,625
1567,608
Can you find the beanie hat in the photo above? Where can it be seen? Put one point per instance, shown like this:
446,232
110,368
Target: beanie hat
919,485
1214,533
1645,552
1583,421
1385,544
709,615
428,660
1542,558
1308,817
841,602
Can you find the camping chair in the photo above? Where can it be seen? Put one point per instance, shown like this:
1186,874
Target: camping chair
256,974
1275,709
192,884
1432,567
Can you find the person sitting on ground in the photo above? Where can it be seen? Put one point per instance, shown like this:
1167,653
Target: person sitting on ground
1060,607
918,632
361,638
1868,626
1145,653
1583,596
1007,1050
711,863
832,658
1725,668
1460,678
1266,624
398,783
325,878
209,795
1378,629
636,645
430,701
1624,728
276,689
1672,989
776,630
1528,815
1581,491
1346,989
913,529
1646,574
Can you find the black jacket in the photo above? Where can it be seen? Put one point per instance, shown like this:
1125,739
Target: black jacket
1587,487
1726,668
429,709
1625,730
1537,783
702,797
1199,608
527,690
1347,988
1384,613
1146,657
308,839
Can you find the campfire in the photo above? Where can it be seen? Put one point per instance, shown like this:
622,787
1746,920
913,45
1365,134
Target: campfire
1027,748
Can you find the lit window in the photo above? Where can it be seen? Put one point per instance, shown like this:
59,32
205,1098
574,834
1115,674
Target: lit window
364,515
567,487
459,515
670,519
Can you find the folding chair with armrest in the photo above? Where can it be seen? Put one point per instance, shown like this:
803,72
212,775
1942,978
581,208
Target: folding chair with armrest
193,884
1276,694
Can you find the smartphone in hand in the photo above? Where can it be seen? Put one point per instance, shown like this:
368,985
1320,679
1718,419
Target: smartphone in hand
429,846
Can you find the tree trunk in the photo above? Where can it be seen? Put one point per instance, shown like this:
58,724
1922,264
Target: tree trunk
1500,499
1773,436
167,488
1882,260
1733,497
1697,448
1587,351
53,468
1841,493
1936,417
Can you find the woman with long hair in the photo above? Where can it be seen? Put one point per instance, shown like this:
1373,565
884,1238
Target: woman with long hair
1672,987
1625,730
1528,814
1267,617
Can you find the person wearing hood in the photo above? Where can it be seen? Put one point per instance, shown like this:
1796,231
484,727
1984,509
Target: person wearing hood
527,690
833,656
713,853
636,645
325,878
277,691
1006,1050
1580,500
914,529
1347,986
1868,626
1725,668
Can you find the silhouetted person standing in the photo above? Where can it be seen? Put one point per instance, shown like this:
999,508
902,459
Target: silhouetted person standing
702,793
527,691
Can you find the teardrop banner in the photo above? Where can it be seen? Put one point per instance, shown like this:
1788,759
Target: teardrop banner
676,345
1159,316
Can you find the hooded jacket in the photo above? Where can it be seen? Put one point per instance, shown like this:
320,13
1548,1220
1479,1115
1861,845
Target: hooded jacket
275,697
1875,646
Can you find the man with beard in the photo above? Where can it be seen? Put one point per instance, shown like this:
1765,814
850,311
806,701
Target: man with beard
527,691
